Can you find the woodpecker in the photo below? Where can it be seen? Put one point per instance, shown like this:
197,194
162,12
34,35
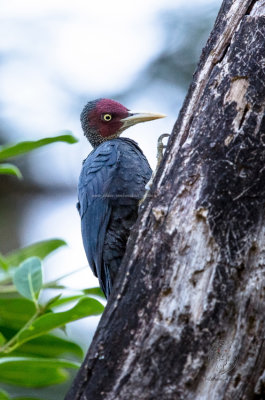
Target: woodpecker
111,184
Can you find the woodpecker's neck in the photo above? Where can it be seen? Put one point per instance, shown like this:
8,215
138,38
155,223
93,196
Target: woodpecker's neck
95,139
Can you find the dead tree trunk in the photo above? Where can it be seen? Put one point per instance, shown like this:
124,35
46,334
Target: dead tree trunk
186,318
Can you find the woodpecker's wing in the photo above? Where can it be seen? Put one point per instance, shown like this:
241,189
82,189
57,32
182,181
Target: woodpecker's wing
93,205
132,174
112,181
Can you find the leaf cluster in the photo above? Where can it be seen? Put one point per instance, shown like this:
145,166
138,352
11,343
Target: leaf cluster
16,149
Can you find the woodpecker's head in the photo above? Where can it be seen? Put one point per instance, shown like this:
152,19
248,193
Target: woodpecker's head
105,119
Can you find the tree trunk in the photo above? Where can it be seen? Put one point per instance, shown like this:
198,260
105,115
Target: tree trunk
186,317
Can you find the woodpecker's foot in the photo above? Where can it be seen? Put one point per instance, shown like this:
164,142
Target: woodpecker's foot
160,149
159,155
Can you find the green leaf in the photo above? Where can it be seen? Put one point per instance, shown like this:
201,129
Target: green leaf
4,395
34,372
50,346
96,291
2,339
3,262
65,300
10,169
28,278
84,308
51,301
14,313
44,346
69,299
38,249
13,150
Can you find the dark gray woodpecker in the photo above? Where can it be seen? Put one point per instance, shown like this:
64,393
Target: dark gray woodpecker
111,184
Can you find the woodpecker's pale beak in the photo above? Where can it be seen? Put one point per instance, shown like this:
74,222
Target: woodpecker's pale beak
137,117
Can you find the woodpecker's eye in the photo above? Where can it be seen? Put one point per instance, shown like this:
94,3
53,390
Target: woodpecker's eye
107,117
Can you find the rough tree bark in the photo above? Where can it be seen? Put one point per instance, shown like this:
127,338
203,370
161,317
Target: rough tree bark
186,318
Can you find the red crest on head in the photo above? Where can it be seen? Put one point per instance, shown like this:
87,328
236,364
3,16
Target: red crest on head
106,117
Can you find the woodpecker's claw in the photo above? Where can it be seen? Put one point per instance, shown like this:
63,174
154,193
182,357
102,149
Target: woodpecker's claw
160,147
159,155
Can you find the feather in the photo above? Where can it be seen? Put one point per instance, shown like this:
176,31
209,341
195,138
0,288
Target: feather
111,183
